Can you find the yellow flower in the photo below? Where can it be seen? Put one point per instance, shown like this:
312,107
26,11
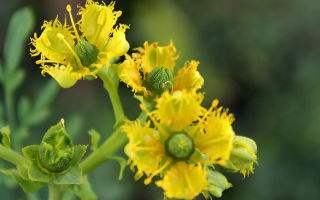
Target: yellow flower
175,146
156,64
68,56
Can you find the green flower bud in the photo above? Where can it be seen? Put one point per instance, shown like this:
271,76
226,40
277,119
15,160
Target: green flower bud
87,52
180,146
159,80
243,155
56,150
217,183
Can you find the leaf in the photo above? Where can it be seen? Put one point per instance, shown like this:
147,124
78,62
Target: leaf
122,162
35,174
74,125
24,109
74,176
84,191
5,132
46,96
79,151
20,27
26,185
95,138
30,152
1,72
38,117
14,80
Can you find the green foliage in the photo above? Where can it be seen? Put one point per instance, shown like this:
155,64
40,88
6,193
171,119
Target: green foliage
26,185
56,159
95,138
20,26
5,132
84,191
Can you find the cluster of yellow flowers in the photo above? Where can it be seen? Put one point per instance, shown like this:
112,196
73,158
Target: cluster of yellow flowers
182,142
99,43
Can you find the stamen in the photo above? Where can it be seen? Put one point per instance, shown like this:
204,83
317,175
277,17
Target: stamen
144,108
214,104
46,41
72,22
61,37
149,179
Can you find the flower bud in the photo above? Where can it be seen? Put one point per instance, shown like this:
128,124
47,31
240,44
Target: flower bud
87,52
243,155
217,183
56,150
159,80
180,146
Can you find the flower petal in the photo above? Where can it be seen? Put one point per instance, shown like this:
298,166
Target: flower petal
178,110
154,56
64,74
50,46
129,73
118,44
188,77
216,141
144,149
184,181
97,22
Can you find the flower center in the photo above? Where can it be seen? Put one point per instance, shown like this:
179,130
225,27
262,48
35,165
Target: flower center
87,52
159,80
180,146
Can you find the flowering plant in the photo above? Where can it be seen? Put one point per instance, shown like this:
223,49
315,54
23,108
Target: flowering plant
175,140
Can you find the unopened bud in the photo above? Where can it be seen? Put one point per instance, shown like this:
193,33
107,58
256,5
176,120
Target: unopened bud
217,183
243,155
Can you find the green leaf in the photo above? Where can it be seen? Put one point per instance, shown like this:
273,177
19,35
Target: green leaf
35,174
14,80
24,109
38,117
122,162
30,152
46,96
26,185
5,132
95,138
74,176
19,29
79,151
84,191
1,72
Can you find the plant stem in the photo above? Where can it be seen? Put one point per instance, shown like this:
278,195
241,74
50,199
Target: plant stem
105,76
116,141
9,107
55,192
12,156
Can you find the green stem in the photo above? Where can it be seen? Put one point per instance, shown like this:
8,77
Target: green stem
116,141
55,192
9,107
105,76
12,156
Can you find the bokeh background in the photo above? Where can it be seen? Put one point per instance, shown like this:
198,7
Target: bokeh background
259,58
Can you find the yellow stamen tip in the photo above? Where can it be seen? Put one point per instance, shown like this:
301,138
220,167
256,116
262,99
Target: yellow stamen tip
147,181
143,107
60,36
215,103
38,62
68,8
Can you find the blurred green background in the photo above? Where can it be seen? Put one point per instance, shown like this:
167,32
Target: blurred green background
259,58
